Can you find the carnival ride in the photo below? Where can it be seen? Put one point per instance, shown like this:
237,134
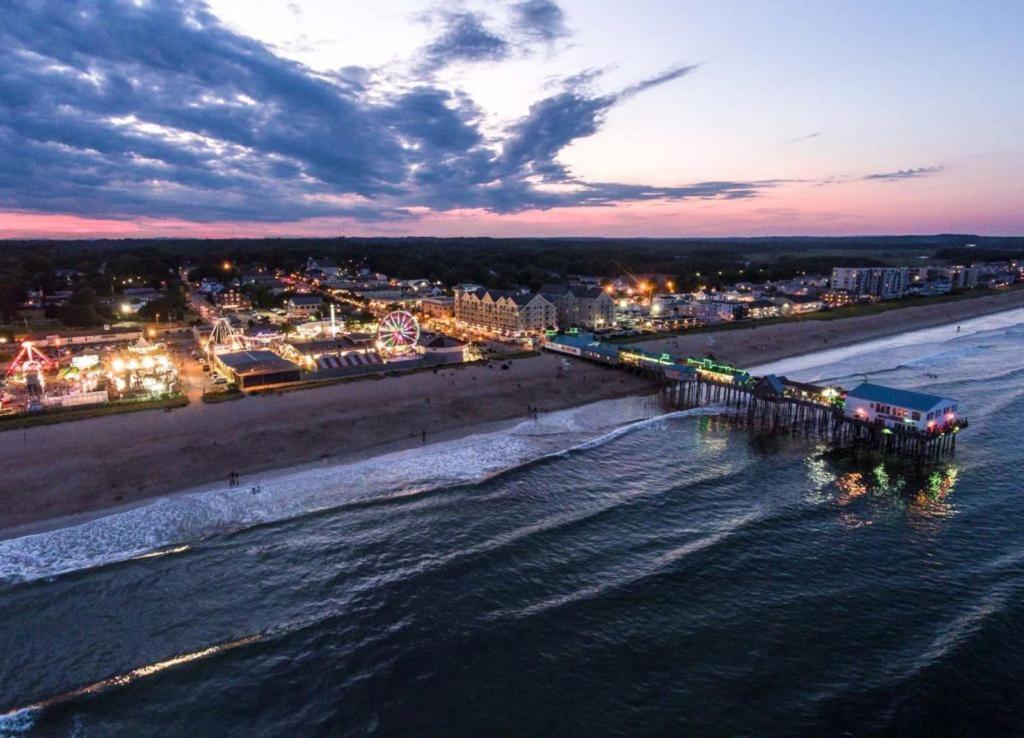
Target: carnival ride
397,334
29,366
224,338
143,368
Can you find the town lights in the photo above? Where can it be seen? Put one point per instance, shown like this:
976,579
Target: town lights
118,365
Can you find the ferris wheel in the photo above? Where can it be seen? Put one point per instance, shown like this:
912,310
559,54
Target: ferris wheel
398,333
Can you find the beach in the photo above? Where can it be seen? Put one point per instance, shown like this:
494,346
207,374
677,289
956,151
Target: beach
56,472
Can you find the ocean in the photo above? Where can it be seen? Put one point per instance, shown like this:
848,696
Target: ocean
608,570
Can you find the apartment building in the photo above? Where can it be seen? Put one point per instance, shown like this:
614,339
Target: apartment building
881,283
505,312
580,305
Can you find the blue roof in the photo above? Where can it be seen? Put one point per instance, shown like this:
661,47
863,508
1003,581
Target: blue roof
898,397
776,384
578,340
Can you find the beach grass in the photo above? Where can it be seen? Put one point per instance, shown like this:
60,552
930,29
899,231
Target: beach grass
223,396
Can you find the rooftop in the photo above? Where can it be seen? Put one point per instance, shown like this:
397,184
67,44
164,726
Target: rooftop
255,362
305,299
898,397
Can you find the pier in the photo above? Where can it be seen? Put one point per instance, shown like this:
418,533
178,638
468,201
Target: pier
870,417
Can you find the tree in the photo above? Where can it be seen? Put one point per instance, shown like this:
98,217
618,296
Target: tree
82,316
85,296
11,296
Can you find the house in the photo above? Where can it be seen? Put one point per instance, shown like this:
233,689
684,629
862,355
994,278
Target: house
505,312
210,286
798,304
761,309
449,350
891,407
232,299
837,298
438,307
322,268
715,311
303,306
580,305
415,285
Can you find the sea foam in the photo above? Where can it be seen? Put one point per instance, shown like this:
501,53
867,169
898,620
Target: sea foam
167,526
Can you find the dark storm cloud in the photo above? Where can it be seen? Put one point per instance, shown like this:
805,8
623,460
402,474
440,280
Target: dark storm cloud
109,109
539,20
903,174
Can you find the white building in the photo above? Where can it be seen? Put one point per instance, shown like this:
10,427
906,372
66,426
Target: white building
895,407
883,283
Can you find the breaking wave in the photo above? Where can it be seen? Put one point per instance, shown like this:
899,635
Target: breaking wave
167,526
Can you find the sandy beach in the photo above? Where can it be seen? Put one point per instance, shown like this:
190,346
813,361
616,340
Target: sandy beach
762,344
88,466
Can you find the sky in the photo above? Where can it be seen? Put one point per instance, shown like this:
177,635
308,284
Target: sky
237,118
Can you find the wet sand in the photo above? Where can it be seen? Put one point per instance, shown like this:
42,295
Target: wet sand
88,466
80,467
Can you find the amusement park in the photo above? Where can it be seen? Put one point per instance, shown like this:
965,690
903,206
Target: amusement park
54,377
215,360
321,350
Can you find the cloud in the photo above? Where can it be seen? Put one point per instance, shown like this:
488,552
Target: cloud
903,174
534,142
112,109
808,137
539,20
464,38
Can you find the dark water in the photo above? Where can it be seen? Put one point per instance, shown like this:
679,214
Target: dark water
679,577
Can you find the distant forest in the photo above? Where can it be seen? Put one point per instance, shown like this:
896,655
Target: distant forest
496,262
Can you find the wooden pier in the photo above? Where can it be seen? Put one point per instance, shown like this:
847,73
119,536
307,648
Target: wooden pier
777,405
790,415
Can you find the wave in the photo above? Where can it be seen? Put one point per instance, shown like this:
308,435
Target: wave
801,367
168,525
20,720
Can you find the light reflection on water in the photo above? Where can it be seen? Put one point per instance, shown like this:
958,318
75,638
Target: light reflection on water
876,488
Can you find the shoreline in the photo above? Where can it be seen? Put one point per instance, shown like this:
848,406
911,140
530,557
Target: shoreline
122,462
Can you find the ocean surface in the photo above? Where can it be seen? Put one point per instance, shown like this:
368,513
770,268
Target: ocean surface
610,570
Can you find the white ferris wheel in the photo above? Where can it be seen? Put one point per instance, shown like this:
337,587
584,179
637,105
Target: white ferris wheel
398,333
